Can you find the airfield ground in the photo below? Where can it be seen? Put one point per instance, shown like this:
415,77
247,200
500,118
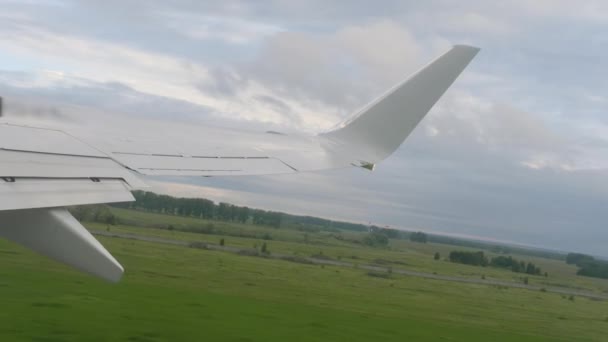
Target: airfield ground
173,292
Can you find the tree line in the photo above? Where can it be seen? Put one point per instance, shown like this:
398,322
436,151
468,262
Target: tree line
379,237
479,259
588,265
207,209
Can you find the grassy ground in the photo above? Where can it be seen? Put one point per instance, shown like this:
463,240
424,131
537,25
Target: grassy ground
401,253
172,293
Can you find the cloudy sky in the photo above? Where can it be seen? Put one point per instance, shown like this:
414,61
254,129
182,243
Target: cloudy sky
517,150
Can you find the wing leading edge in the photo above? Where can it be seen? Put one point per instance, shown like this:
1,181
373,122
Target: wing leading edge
42,170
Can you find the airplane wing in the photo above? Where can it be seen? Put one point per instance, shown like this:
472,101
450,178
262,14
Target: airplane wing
43,170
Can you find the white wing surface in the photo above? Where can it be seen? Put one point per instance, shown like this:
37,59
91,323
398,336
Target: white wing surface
42,169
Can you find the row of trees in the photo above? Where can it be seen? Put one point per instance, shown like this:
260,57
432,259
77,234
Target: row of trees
378,237
398,234
207,209
588,265
469,258
202,208
479,259
578,259
514,265
419,237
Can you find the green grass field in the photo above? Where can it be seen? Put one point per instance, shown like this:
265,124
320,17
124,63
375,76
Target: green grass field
173,293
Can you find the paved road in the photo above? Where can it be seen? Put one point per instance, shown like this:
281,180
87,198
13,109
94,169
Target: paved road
493,282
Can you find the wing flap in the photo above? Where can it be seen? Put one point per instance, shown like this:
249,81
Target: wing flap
39,180
159,165
27,193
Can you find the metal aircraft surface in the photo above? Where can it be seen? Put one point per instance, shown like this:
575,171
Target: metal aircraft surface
43,170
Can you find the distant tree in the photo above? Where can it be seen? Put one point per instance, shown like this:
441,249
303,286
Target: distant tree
376,239
111,219
469,258
170,227
578,259
390,233
418,237
437,256
516,267
224,212
530,268
264,248
525,280
503,261
595,268
243,214
222,241
546,275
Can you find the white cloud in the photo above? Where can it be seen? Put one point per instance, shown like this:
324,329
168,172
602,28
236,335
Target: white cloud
225,29
470,22
105,62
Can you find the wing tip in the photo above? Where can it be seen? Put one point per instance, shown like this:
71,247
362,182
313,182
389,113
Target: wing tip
380,127
470,49
467,46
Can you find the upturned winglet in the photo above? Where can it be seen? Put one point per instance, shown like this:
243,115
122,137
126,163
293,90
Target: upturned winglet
379,128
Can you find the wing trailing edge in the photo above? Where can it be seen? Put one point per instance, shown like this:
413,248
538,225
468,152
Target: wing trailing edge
379,128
